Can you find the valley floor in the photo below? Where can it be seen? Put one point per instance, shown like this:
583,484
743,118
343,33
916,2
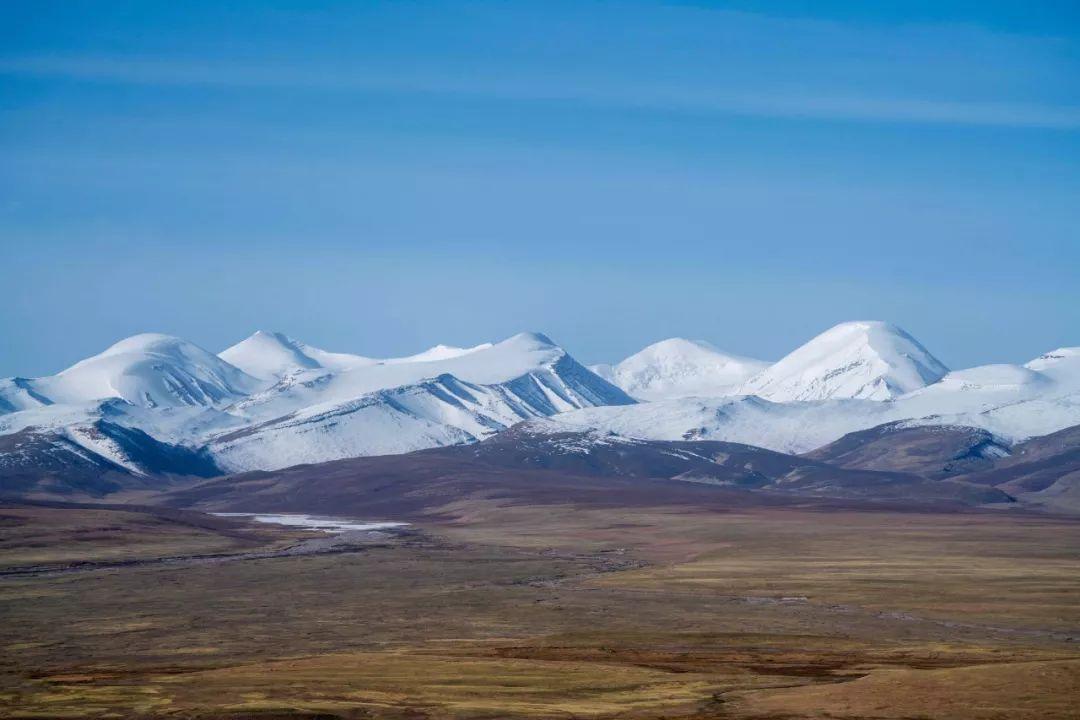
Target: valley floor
488,611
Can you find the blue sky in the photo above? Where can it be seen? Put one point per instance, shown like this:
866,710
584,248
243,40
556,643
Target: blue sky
378,177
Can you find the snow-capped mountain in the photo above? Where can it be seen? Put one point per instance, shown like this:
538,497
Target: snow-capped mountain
285,402
399,406
1012,402
148,370
868,360
271,401
271,356
677,368
532,363
857,360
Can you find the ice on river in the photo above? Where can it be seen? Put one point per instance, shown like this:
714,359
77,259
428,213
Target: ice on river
325,523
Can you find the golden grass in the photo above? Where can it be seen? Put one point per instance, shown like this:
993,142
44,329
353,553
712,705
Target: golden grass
438,685
462,681
1015,691
451,685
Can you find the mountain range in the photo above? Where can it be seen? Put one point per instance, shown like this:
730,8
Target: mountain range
155,406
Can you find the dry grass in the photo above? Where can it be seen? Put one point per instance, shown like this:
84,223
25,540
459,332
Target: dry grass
32,535
1018,691
1019,571
382,683
529,612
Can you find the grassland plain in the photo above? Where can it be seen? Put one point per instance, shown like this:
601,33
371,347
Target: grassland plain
55,535
495,611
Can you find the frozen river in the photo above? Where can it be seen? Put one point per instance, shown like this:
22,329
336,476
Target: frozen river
325,523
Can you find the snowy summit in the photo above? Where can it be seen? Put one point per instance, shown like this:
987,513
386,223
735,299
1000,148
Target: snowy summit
677,368
867,360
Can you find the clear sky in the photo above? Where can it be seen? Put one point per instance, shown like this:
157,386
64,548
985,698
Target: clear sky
378,177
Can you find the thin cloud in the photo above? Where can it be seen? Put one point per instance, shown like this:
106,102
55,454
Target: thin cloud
702,100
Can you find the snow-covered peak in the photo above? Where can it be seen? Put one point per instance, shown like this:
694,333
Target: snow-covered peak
530,340
869,360
529,366
159,343
268,355
678,367
150,370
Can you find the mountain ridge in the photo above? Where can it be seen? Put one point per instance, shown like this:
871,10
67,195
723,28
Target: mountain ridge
301,404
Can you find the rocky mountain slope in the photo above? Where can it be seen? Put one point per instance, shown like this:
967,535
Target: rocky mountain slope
1043,471
932,451
94,460
542,463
